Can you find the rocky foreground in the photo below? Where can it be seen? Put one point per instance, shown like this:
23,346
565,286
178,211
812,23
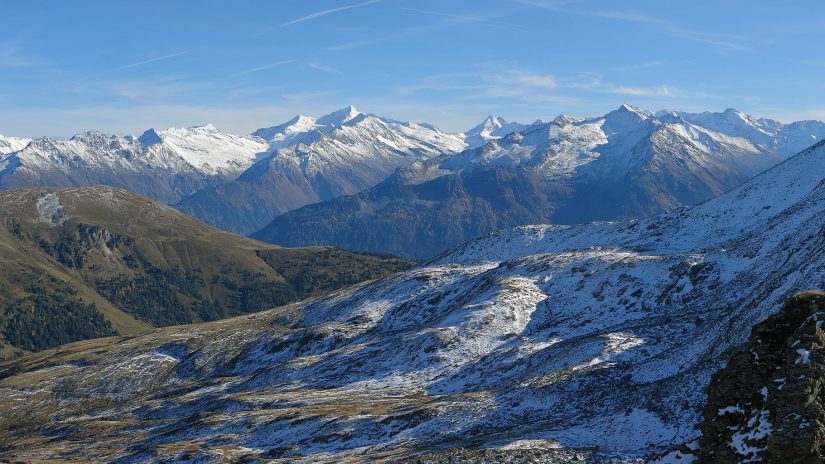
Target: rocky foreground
768,404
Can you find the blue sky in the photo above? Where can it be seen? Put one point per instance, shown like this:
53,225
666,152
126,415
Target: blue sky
124,66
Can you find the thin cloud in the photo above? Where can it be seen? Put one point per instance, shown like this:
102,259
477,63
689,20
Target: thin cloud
450,21
319,14
260,68
144,62
728,41
637,66
349,45
547,81
323,68
86,79
552,5
308,96
720,40
10,57
465,18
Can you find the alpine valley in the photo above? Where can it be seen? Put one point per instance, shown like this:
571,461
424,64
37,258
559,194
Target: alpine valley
599,337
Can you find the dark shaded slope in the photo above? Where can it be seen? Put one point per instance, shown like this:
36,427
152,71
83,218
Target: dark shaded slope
81,263
421,220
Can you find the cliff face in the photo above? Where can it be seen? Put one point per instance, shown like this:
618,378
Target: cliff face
768,404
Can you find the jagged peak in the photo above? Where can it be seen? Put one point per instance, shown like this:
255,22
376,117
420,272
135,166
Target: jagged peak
92,135
208,127
150,137
560,120
340,116
300,119
630,110
624,119
494,120
489,124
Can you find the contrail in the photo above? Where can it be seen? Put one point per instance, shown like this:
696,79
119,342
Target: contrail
261,68
326,12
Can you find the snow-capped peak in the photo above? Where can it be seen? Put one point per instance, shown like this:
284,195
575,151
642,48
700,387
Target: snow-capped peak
150,137
493,122
12,144
628,112
493,127
624,119
560,120
208,149
208,127
336,118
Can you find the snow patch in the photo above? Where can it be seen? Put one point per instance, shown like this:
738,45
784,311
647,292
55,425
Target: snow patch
50,210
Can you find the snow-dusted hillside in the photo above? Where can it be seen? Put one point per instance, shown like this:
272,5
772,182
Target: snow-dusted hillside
165,165
597,335
313,160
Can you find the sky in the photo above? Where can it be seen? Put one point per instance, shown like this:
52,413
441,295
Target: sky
125,66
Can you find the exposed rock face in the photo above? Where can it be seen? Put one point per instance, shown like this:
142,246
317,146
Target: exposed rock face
768,404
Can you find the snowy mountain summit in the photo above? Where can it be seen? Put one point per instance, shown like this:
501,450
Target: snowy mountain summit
166,164
312,160
628,163
491,128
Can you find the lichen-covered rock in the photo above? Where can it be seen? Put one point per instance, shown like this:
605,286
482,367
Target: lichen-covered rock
768,404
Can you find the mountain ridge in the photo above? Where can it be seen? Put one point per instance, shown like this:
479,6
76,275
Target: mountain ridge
341,153
627,163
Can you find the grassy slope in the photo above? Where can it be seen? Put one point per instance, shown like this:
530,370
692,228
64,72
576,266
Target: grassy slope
106,235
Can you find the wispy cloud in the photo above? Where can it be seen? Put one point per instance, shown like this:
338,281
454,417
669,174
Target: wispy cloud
637,66
465,18
447,20
308,96
259,68
519,77
726,41
321,13
349,45
11,57
523,85
90,78
145,62
595,83
323,68
145,90
552,5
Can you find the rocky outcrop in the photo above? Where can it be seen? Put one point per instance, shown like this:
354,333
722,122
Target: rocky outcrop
768,404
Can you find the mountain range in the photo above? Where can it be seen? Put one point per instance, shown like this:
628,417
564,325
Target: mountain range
419,189
313,160
166,165
97,261
626,164
601,336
